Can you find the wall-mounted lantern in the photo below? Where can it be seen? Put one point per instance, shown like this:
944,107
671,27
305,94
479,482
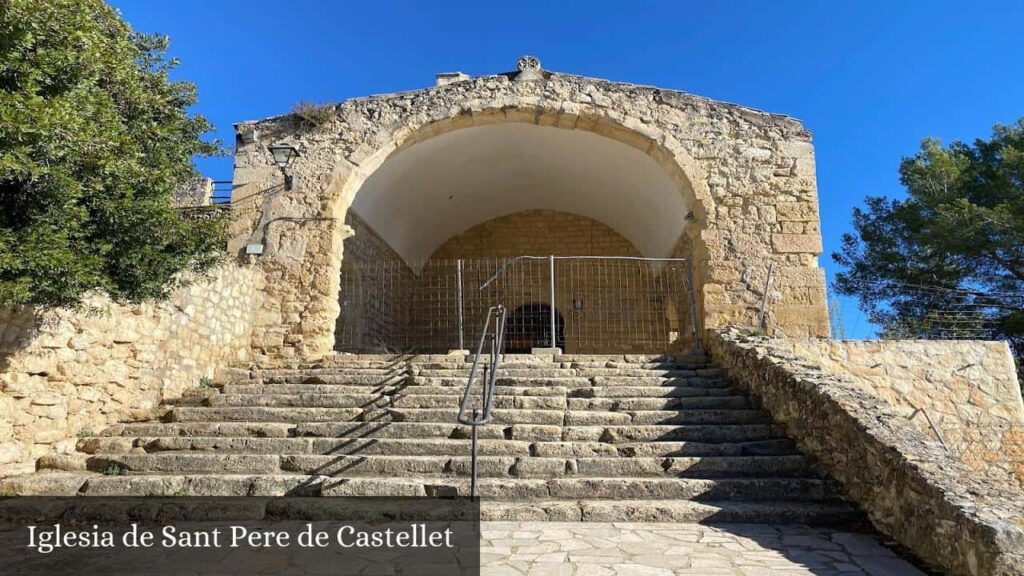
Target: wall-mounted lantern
283,155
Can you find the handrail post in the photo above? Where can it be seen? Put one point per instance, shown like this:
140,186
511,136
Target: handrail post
458,273
551,266
472,486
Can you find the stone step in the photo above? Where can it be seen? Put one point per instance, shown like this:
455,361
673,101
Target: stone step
503,401
502,380
285,372
426,447
350,380
581,382
646,381
490,489
563,449
528,432
398,390
304,445
358,465
679,511
439,415
648,392
634,358
504,372
519,489
396,430
300,400
650,372
649,417
410,388
664,365
685,433
527,359
677,403
232,429
800,505
264,414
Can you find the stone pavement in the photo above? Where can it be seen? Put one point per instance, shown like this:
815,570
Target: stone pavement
656,549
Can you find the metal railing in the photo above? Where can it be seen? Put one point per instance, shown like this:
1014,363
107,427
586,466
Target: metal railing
221,192
491,338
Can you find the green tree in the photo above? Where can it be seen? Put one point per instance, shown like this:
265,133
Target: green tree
948,260
94,139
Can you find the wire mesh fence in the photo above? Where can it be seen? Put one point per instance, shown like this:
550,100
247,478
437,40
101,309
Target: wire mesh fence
922,312
578,304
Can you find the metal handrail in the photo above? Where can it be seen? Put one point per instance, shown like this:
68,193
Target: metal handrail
495,337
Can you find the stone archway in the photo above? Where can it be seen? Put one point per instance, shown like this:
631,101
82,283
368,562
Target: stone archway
751,192
347,183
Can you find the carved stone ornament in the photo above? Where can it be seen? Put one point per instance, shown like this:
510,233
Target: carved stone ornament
529,68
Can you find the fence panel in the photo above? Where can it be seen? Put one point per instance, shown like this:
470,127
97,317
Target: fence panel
579,304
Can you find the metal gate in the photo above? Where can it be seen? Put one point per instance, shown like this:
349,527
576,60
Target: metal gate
581,304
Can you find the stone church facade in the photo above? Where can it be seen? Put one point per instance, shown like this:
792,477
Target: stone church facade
728,188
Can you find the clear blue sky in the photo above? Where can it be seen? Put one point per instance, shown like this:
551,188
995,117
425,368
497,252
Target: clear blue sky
869,79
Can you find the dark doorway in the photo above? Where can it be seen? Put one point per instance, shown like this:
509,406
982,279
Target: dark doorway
529,327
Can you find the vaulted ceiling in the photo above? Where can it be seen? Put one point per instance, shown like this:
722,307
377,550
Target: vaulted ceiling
435,189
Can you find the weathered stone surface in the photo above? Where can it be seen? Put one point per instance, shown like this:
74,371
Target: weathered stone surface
797,243
967,389
911,488
67,373
735,167
249,438
682,549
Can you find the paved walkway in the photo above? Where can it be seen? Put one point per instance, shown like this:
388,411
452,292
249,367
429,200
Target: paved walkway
625,549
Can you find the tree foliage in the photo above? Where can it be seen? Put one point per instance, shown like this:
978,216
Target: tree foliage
947,260
94,138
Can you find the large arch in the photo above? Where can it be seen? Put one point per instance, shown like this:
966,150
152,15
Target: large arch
745,177
661,155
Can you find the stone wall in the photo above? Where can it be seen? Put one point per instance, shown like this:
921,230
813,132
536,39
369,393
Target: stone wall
968,389
197,191
748,175
910,487
537,233
63,373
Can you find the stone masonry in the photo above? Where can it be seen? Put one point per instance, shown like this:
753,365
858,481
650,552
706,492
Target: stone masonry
911,488
968,390
66,373
749,176
538,233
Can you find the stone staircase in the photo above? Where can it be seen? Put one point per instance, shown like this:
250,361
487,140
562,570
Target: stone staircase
627,438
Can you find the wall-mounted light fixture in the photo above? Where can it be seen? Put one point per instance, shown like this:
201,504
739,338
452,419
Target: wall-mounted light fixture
283,155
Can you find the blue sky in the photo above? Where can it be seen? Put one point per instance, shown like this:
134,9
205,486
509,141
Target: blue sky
869,79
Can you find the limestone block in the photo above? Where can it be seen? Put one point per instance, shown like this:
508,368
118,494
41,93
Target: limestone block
10,452
806,243
22,385
797,211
